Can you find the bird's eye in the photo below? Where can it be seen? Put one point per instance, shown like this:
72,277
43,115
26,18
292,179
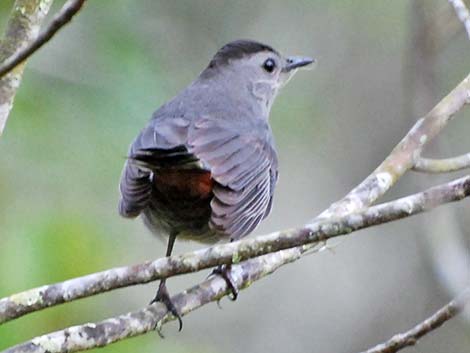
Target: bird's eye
269,65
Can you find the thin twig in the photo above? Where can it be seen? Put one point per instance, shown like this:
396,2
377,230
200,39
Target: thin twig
454,164
70,8
411,337
23,25
403,156
49,295
462,13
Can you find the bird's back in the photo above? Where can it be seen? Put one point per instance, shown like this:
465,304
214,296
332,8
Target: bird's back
199,171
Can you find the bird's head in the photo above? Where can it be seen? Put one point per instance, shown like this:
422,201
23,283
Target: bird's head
257,67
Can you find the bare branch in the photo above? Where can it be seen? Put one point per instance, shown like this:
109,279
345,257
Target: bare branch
90,335
403,156
22,48
401,159
339,220
462,13
411,337
100,334
23,26
454,164
49,295
70,8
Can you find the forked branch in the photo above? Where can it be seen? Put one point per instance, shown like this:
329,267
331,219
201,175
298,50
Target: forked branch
349,214
70,8
21,41
396,164
22,27
38,298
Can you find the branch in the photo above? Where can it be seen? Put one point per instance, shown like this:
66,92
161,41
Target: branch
428,165
19,43
70,8
90,335
136,323
401,159
22,27
381,180
462,13
39,298
403,156
411,337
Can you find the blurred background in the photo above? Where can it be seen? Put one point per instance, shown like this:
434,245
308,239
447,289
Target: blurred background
86,94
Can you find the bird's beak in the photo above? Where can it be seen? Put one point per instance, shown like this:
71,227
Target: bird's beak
295,62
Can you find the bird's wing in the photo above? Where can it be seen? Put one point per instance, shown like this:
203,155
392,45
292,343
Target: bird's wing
243,164
160,144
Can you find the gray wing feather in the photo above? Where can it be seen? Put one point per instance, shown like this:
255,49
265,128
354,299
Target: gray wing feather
242,162
135,190
157,145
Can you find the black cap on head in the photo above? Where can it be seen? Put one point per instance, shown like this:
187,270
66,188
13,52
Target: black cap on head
237,50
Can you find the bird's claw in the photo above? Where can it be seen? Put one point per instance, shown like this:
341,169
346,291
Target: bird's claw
163,297
224,272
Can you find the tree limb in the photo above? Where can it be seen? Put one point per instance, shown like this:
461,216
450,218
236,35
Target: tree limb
39,298
93,335
411,337
454,164
21,41
403,156
462,13
136,323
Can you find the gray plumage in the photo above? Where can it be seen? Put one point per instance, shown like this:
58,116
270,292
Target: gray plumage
216,128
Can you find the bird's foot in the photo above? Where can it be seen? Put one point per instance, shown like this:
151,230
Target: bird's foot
224,272
163,296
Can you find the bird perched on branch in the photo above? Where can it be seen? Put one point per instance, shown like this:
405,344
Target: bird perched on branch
205,166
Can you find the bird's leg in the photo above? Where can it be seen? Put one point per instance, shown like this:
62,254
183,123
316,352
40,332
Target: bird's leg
162,295
224,272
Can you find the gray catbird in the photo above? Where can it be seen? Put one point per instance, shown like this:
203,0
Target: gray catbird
205,167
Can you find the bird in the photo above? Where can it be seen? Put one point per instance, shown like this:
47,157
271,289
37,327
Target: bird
205,166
